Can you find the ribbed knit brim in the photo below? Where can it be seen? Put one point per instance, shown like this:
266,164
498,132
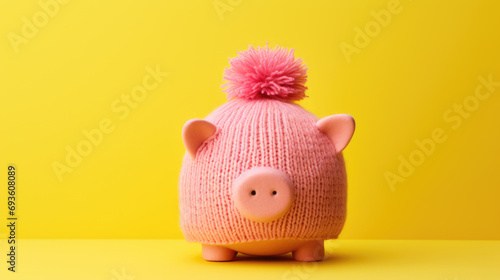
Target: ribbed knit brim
271,133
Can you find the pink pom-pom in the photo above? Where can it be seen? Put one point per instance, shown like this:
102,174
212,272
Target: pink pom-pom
266,73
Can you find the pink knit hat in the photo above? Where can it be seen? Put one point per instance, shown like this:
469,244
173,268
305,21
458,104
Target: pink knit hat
261,127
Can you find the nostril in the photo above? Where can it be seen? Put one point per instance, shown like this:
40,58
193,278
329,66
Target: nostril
253,192
275,192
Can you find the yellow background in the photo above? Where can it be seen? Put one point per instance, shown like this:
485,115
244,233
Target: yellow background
167,259
65,78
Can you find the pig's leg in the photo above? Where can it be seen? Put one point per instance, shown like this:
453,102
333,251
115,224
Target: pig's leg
216,253
310,251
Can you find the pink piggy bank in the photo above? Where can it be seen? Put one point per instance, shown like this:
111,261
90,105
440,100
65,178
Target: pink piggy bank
263,176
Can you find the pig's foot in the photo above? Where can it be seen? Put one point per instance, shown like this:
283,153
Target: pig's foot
310,251
216,253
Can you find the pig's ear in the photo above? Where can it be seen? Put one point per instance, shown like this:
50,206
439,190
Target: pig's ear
339,128
195,132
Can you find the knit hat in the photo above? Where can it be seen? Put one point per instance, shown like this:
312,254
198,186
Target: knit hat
260,126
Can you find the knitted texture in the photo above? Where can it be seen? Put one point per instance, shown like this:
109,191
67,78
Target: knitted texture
271,133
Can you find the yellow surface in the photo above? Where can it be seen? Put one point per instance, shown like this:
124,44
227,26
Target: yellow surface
75,69
176,259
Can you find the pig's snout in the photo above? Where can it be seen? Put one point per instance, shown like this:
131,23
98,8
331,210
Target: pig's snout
263,194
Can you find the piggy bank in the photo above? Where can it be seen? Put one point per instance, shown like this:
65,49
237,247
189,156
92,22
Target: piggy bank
262,175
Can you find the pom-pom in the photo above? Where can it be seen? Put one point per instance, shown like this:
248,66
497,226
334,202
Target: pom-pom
266,73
